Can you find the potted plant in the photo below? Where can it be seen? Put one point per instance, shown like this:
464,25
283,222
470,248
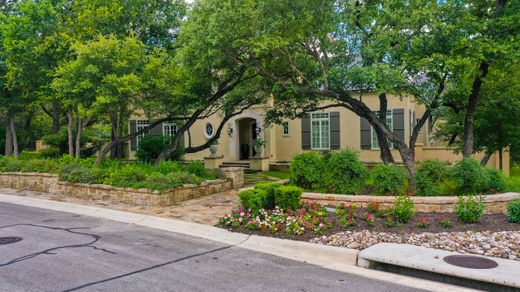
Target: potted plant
258,145
213,148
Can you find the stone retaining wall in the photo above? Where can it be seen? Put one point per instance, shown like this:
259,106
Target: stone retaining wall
494,203
49,183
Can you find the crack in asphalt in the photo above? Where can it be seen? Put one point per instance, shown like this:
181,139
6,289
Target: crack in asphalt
49,251
156,266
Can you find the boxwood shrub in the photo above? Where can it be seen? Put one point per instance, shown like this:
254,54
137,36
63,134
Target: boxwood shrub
253,200
288,197
270,189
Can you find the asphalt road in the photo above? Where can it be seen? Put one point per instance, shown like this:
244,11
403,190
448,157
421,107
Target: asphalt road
66,252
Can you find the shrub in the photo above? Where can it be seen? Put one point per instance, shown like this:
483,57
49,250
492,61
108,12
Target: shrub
50,152
166,167
431,178
128,175
306,171
343,173
197,168
30,155
160,182
513,211
151,146
270,189
78,173
388,179
39,165
288,197
253,200
469,209
403,208
470,177
496,181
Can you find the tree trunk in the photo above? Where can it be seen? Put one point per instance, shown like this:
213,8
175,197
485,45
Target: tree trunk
8,137
500,157
13,134
471,109
113,137
70,134
55,117
78,137
485,159
384,147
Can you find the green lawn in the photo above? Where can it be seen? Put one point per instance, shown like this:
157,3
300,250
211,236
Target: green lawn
513,182
278,174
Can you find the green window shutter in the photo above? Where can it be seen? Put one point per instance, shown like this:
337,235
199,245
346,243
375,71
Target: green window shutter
335,135
398,122
133,141
306,132
157,130
366,134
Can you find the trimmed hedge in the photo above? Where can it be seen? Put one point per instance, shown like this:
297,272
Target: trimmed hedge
432,178
388,180
270,195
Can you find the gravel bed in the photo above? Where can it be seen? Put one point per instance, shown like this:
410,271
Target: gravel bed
502,244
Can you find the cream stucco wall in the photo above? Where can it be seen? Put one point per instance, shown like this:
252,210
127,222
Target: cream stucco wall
280,147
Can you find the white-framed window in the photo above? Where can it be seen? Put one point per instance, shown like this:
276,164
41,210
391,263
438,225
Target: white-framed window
208,130
285,126
320,131
139,125
169,129
389,123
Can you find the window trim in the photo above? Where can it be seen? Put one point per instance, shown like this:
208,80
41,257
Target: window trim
173,129
206,133
389,113
320,119
139,125
285,125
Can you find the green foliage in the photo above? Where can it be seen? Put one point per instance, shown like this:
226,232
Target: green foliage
254,200
79,173
151,146
30,155
469,208
388,179
306,170
50,152
197,168
343,173
403,208
513,211
469,176
288,197
496,181
432,178
270,189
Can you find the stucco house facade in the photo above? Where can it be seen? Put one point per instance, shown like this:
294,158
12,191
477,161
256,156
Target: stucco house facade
330,129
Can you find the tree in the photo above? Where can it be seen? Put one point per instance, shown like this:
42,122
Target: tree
496,124
101,81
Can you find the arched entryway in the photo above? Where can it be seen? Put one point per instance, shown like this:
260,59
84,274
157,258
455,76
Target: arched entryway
242,130
246,134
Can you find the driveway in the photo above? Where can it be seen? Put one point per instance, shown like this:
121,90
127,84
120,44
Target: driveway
66,252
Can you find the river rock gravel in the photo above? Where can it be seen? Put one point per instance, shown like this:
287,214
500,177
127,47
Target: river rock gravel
503,244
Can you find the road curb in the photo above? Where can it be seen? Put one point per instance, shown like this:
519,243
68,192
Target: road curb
335,258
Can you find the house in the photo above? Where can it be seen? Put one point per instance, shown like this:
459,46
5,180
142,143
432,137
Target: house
330,129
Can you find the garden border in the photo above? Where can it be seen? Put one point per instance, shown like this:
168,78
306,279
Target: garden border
496,203
50,183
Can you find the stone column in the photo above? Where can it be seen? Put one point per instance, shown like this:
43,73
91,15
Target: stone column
235,174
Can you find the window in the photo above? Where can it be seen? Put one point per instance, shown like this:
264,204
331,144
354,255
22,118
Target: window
169,129
389,123
320,131
208,130
285,128
141,124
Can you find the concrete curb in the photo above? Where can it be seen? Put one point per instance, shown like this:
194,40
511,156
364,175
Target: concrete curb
335,258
